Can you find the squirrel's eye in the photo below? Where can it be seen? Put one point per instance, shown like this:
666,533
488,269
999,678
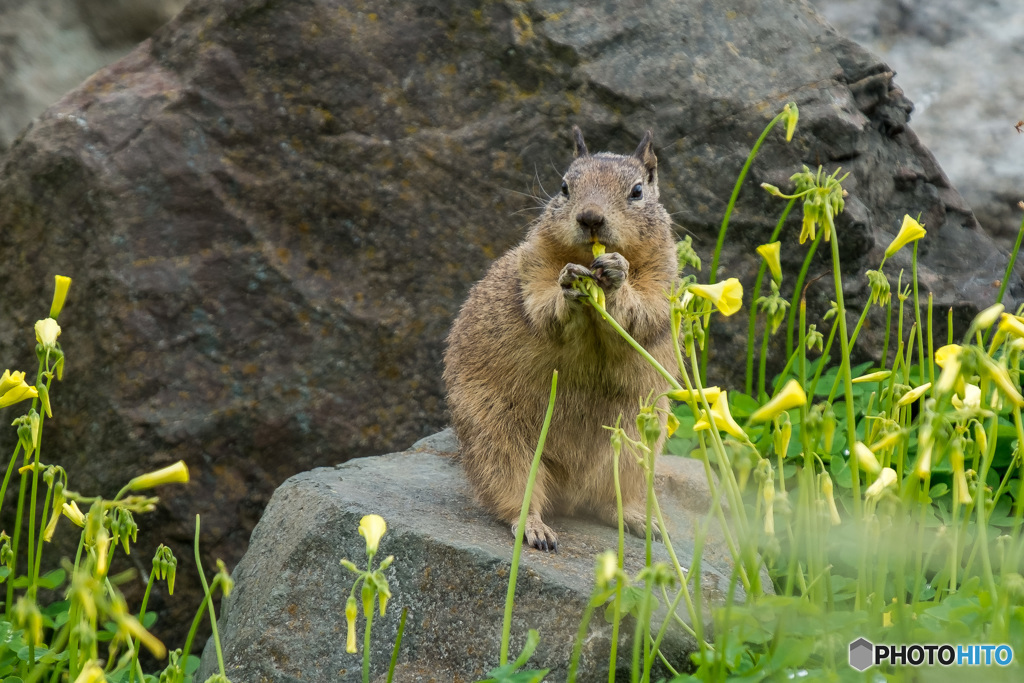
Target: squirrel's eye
565,189
637,191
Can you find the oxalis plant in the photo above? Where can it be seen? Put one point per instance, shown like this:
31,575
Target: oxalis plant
884,501
88,634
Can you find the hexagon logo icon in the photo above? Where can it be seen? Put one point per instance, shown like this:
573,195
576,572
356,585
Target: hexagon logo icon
862,654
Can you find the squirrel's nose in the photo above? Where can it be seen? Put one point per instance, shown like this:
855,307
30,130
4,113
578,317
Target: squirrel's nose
591,220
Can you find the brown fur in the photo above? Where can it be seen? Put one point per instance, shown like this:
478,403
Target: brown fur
524,320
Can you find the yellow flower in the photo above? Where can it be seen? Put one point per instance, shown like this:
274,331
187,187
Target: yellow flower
351,610
886,478
791,396
60,292
910,231
1011,324
913,394
72,512
865,458
172,474
597,248
710,393
372,527
873,376
723,419
948,358
971,400
946,354
47,331
13,388
727,295
771,253
607,568
92,673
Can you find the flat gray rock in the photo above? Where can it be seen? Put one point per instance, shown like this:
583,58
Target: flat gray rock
285,620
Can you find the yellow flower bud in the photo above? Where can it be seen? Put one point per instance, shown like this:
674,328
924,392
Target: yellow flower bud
710,393
987,318
172,474
152,643
961,492
886,478
782,434
768,493
790,115
727,295
878,376
47,331
980,438
888,441
351,611
372,527
910,231
772,255
826,490
913,394
791,396
597,248
72,512
607,568
60,292
865,458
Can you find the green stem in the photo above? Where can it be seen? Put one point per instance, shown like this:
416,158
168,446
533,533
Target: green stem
801,276
844,344
142,616
209,602
920,327
398,644
506,626
366,647
757,292
725,222
1009,265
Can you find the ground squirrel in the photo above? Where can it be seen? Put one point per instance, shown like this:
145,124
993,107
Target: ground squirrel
525,319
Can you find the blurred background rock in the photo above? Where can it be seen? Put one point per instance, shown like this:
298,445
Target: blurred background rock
47,47
959,62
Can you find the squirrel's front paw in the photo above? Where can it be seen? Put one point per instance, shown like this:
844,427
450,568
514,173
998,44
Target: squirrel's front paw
610,270
570,275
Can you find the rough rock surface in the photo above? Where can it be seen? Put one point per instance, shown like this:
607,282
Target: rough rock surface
273,210
285,619
959,61
48,47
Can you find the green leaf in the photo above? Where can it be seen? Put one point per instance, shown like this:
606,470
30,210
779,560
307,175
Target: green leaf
841,473
52,580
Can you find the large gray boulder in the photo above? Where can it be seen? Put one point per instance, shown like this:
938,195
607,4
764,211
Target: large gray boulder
959,61
285,620
48,47
273,210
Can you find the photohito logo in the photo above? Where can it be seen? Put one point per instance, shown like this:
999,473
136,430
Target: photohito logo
864,654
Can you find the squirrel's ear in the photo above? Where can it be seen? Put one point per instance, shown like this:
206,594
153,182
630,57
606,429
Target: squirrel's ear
577,138
645,153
